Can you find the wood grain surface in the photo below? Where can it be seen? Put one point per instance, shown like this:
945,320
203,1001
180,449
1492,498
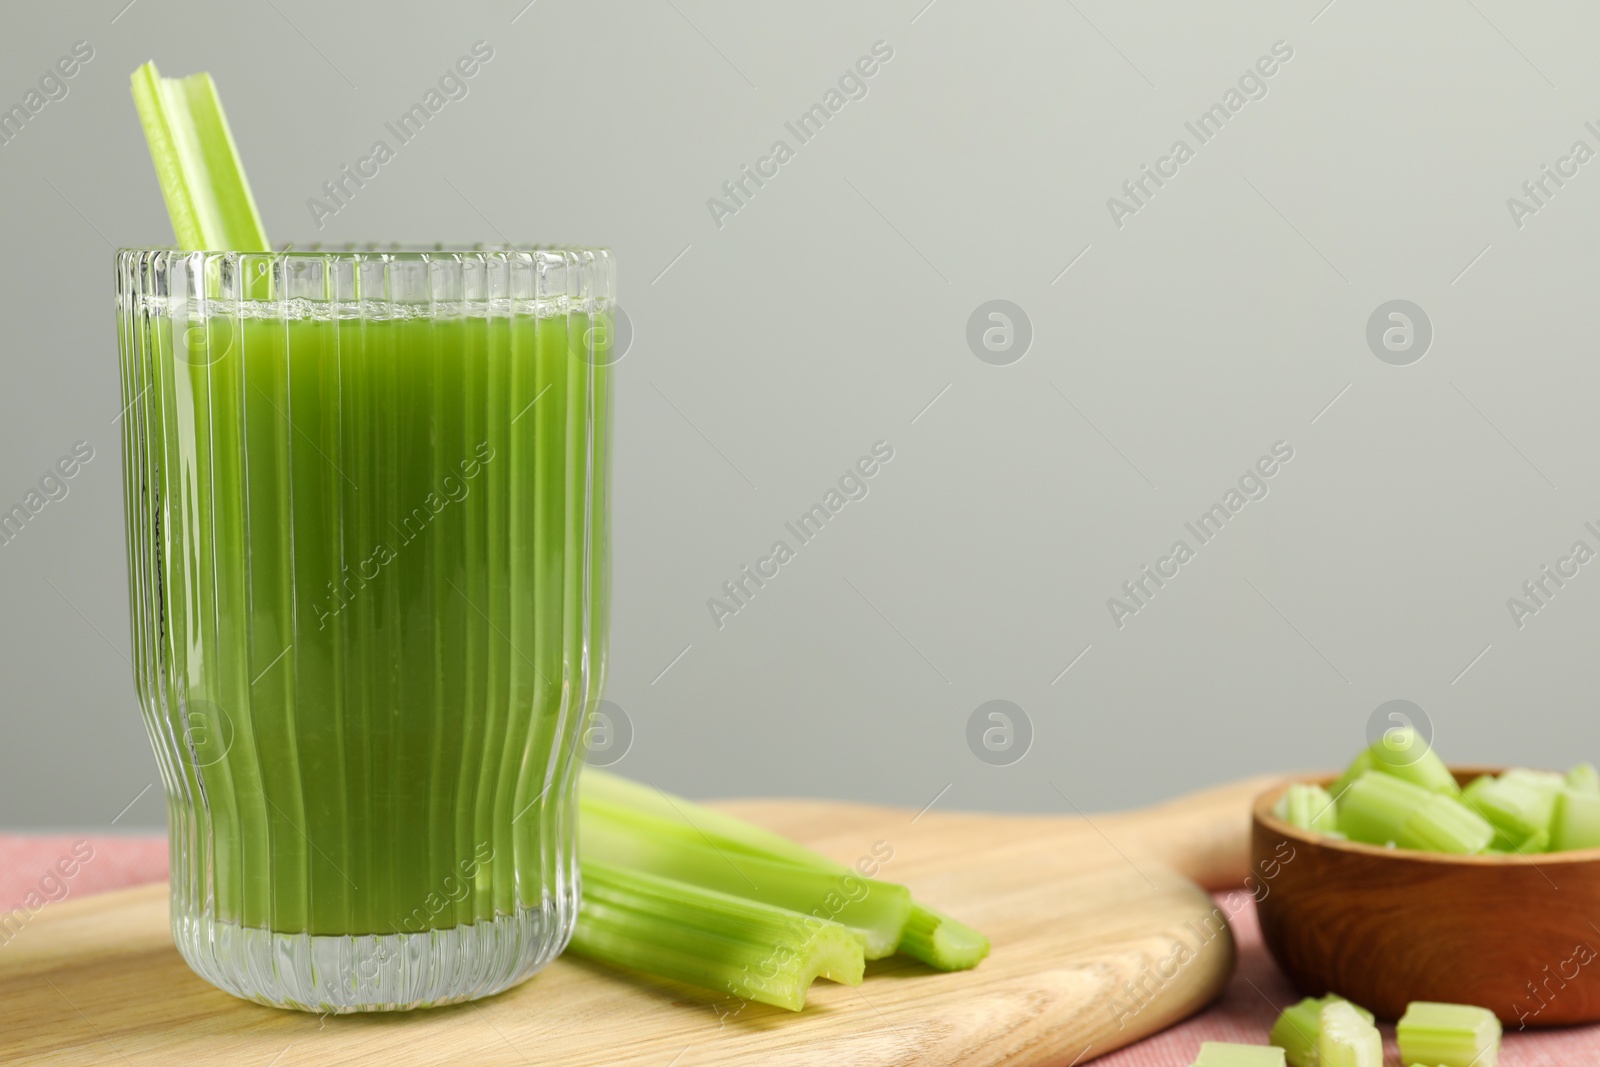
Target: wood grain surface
1100,938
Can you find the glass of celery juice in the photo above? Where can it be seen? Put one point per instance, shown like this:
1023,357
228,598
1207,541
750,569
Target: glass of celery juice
367,530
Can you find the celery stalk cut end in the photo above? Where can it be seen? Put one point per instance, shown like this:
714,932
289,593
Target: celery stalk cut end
1347,1039
941,942
1309,807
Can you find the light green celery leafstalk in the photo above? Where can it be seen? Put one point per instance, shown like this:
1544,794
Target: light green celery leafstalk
1299,1027
1519,804
1583,778
1576,821
1402,753
1380,809
1449,1035
197,163
1444,824
1375,807
1220,1054
877,911
680,819
1346,1039
645,810
1358,766
708,939
1310,807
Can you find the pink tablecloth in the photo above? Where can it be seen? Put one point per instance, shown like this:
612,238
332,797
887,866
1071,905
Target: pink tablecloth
34,870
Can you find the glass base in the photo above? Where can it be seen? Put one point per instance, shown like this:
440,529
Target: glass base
390,972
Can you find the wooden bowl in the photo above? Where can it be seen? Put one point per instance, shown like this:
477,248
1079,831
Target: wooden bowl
1519,935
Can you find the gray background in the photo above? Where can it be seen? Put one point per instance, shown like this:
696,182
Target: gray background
828,313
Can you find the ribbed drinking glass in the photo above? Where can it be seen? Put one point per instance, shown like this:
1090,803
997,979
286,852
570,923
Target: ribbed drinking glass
367,539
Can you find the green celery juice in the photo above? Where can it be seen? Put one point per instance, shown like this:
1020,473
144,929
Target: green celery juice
367,555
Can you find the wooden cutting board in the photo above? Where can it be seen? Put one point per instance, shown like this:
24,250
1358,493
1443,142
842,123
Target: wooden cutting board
1076,908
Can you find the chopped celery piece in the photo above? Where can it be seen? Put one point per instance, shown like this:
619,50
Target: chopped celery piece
1547,780
1298,1028
1358,766
1584,779
1380,809
1503,841
1403,753
196,163
942,942
1347,1039
1309,807
1474,789
1449,1035
875,910
1376,806
1444,824
1218,1054
1576,821
1518,804
713,940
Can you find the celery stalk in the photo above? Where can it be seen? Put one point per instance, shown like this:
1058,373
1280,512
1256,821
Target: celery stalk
1358,766
1346,1039
197,163
1299,1027
1449,1035
713,940
1546,780
1375,807
643,810
678,819
1310,807
1404,754
1583,778
1519,804
1380,809
877,911
941,942
1538,841
1444,824
1220,1054
1575,822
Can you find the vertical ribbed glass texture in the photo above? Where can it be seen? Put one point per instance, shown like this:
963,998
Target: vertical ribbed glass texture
367,530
